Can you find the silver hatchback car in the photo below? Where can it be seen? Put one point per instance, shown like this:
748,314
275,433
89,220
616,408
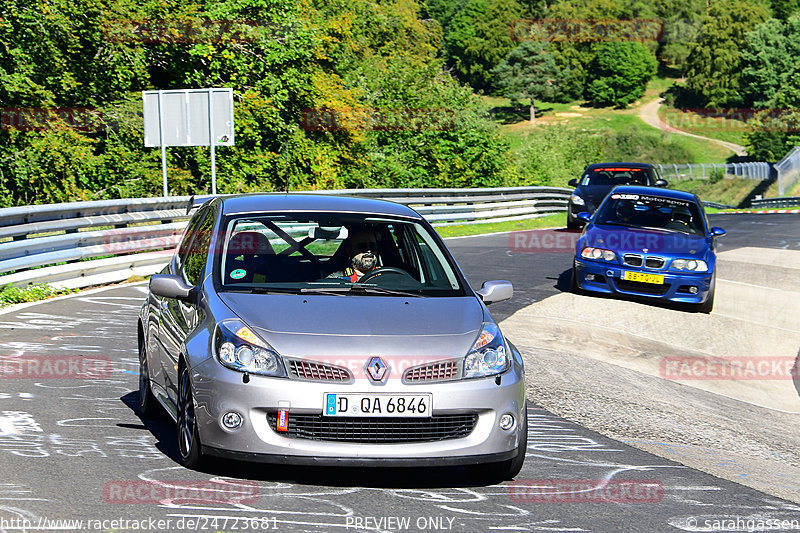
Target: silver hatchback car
323,330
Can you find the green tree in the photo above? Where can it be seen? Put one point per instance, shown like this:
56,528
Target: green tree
714,70
771,76
478,38
529,72
619,73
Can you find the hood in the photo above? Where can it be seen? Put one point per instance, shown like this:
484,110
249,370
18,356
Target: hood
656,242
321,326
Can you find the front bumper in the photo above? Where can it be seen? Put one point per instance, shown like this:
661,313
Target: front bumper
219,390
608,280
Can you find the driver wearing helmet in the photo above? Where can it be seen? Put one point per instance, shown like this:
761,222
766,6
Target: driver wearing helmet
681,219
361,249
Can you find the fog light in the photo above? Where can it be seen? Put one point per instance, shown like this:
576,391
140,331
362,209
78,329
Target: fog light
507,421
589,277
693,290
232,420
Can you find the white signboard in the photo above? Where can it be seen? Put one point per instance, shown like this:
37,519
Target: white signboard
187,118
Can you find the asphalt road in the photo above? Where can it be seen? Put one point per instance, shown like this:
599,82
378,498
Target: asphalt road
76,449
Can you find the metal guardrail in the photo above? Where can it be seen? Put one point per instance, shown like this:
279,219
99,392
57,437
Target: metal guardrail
787,201
80,244
754,170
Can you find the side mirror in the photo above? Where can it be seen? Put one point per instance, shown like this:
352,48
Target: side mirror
661,183
717,232
170,286
583,215
495,291
573,182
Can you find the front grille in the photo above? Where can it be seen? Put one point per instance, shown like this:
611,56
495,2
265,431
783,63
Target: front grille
649,261
436,371
315,371
644,288
383,430
634,260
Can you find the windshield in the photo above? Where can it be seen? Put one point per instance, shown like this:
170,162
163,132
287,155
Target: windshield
613,176
333,253
638,210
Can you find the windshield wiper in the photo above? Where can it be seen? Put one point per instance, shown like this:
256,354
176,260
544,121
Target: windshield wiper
358,289
267,290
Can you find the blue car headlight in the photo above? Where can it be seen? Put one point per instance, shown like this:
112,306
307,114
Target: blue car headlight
488,355
693,265
238,347
598,253
576,200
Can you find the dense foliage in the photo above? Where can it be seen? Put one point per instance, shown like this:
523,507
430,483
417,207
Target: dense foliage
358,93
354,61
620,72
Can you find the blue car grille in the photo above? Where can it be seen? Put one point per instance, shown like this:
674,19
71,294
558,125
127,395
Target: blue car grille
379,430
649,261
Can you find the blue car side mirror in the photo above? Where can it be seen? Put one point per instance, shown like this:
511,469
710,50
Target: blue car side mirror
717,232
586,217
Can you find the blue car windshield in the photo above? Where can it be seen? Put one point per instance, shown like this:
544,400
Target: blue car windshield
646,211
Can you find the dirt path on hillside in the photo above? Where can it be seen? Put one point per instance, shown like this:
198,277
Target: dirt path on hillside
649,114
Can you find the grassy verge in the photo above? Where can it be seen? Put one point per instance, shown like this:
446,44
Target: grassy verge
795,209
461,230
724,191
10,294
716,127
772,191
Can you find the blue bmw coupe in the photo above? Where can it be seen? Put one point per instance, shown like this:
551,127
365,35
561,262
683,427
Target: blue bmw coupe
648,242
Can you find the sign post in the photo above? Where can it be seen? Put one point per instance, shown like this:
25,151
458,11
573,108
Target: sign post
188,117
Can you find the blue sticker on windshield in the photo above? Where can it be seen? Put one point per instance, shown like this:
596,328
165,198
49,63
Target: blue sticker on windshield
238,273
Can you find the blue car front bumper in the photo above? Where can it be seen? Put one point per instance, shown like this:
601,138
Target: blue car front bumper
608,279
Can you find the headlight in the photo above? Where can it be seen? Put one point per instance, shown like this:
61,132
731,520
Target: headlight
598,253
695,265
239,348
577,200
487,356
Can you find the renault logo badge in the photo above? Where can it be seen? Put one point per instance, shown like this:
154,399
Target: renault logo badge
376,369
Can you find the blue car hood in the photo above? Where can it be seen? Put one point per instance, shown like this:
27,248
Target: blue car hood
650,241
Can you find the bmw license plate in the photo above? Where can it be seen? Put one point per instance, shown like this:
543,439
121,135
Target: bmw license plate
365,405
644,278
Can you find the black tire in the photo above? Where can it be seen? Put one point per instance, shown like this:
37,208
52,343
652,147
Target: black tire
573,225
573,283
148,405
189,446
708,305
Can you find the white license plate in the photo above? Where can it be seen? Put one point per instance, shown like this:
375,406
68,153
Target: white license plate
395,405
